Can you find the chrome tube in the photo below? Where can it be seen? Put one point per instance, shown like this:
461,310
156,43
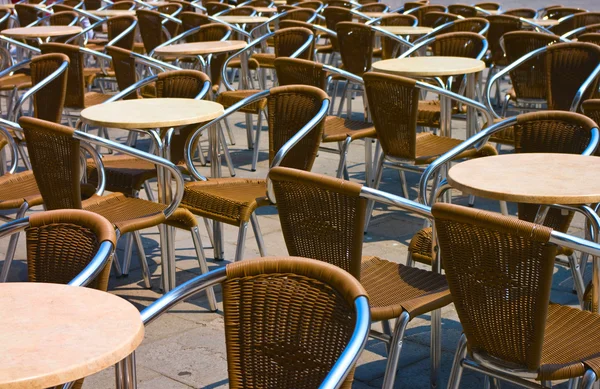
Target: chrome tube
396,201
98,23
396,38
483,11
305,46
14,67
123,34
232,26
586,84
237,54
183,291
321,115
14,152
132,88
357,342
593,145
350,76
96,265
153,62
95,53
543,29
21,45
13,226
145,157
355,11
325,30
188,150
99,167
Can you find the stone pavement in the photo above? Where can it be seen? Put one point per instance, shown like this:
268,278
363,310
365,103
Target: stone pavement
185,347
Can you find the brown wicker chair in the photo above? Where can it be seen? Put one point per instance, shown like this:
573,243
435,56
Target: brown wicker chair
92,4
528,13
333,16
27,14
464,10
591,109
313,319
172,9
389,47
373,7
537,132
395,107
115,26
151,28
312,4
123,5
561,12
436,18
323,218
234,200
476,25
576,21
414,4
500,25
591,37
499,271
489,6
302,15
190,20
420,12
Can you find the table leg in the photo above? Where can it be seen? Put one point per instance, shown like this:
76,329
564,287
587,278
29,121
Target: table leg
125,373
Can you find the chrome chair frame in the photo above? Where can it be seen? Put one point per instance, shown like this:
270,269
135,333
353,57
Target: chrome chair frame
581,30
342,367
279,156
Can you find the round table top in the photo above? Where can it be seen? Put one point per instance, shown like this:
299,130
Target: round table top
12,6
112,12
52,334
407,30
375,14
201,48
530,178
265,10
544,22
429,66
157,3
151,113
243,19
41,31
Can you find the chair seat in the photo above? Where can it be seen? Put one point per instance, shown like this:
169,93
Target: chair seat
20,81
324,49
94,98
123,173
236,64
337,129
430,147
377,53
229,98
394,288
430,113
265,60
228,200
15,189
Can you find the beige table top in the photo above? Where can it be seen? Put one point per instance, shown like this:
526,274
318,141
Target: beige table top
544,22
52,334
41,31
279,2
151,113
429,66
266,10
157,3
407,30
12,6
243,19
112,12
375,14
201,48
530,178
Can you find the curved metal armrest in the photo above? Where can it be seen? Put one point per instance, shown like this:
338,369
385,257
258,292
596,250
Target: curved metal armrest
132,88
325,30
340,72
15,67
122,35
14,152
20,44
89,15
238,53
169,18
33,90
153,62
356,12
94,268
198,6
188,151
305,46
476,141
293,141
180,293
483,11
542,29
93,139
357,342
396,201
574,33
583,88
99,166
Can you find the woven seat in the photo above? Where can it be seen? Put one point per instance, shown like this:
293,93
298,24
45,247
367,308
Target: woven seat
429,147
15,189
252,63
20,81
265,60
229,98
337,129
123,173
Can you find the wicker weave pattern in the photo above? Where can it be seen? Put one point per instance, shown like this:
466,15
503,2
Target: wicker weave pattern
215,7
124,65
75,97
560,12
437,18
499,271
591,108
356,46
63,18
190,20
463,10
150,28
425,9
592,37
489,6
17,188
26,13
118,24
334,15
302,15
292,71
288,40
49,101
500,25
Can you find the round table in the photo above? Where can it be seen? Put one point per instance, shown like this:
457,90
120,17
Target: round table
544,22
233,19
53,334
200,48
265,10
376,14
107,13
407,30
41,31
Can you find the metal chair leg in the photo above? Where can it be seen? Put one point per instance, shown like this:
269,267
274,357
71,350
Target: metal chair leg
256,142
395,348
149,192
210,292
258,235
229,132
578,282
588,379
457,369
371,203
226,153
209,230
128,250
343,98
409,260
241,241
402,175
12,245
142,259
343,155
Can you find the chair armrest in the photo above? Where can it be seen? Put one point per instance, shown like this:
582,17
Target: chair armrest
240,52
14,153
91,271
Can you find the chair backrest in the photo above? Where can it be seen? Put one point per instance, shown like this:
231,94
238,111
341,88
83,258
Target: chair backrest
464,10
333,16
393,102
500,25
209,32
26,13
171,9
355,42
436,18
374,7
303,15
186,6
242,11
413,4
150,24
287,41
259,3
123,5
215,7
48,102
528,79
419,12
62,7
577,20
490,6
289,109
117,25
56,162
287,321
190,20
321,217
92,4
561,12
390,48
75,80
61,243
124,66
313,4
467,25
295,71
4,19
499,271
63,18
340,3
590,37
394,19
528,13
458,44
286,7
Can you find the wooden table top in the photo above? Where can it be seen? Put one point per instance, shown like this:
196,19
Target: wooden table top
544,22
53,334
429,66
530,178
243,19
151,113
201,48
112,12
41,31
407,30
265,10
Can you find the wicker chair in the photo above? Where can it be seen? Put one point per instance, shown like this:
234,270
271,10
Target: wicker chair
476,25
527,13
499,271
152,29
576,21
171,9
464,10
323,218
27,14
316,346
55,155
373,7
302,15
537,132
293,112
191,20
414,4
578,32
591,109
115,26
560,12
312,4
489,6
436,18
591,37
499,25
333,16
123,5
213,8
420,12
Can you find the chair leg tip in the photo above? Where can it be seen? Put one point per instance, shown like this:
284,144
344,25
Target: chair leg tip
251,170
